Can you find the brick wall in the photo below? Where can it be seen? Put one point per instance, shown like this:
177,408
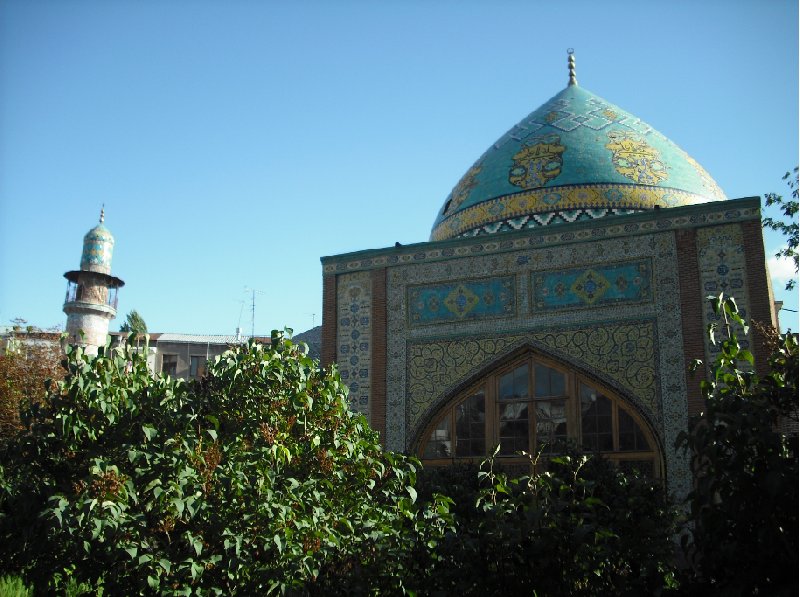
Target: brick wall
761,300
691,313
328,350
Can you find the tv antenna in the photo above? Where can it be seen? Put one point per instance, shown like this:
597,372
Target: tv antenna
253,292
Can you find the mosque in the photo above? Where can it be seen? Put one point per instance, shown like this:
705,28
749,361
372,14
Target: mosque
560,298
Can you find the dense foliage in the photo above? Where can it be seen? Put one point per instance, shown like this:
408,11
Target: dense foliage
744,458
580,527
259,479
29,359
256,479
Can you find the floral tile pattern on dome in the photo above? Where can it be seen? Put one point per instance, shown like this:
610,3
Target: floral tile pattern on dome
635,159
546,201
537,163
354,334
472,299
573,139
579,288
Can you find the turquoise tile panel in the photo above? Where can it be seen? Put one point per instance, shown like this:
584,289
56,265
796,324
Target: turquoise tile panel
464,300
587,287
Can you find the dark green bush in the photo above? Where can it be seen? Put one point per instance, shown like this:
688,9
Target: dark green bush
257,479
744,458
580,527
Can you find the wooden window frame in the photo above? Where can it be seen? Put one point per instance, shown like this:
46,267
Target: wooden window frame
490,383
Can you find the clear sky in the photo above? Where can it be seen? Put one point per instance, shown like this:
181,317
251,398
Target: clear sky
235,143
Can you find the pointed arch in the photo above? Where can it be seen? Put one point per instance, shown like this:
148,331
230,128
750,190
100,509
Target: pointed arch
533,401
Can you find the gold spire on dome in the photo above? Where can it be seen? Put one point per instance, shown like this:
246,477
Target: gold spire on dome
571,64
103,213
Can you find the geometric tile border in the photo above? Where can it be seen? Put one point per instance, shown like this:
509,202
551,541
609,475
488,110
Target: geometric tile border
354,336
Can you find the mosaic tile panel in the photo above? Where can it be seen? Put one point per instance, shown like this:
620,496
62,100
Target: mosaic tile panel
549,331
582,288
733,210
461,300
623,354
354,336
720,253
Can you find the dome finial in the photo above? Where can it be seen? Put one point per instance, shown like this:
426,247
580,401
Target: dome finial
103,213
571,64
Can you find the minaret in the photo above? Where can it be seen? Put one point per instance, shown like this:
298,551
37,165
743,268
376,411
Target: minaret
91,301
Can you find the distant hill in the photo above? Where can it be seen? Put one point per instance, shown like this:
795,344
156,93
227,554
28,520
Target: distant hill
313,338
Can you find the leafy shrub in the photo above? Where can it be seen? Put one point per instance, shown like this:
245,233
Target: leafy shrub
30,359
256,479
13,586
579,527
744,458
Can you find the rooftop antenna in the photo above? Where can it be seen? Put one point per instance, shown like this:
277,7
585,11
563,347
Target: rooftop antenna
239,323
253,292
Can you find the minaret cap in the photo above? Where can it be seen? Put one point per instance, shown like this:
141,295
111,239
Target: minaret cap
98,247
571,64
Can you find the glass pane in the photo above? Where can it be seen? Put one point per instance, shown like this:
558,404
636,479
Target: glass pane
514,385
551,425
471,426
439,444
513,428
549,382
596,424
630,434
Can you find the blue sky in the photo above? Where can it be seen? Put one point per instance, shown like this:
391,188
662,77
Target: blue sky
234,143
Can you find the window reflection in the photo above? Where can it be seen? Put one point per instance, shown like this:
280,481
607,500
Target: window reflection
538,408
471,426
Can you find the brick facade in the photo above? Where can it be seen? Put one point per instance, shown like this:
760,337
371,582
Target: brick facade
328,351
691,314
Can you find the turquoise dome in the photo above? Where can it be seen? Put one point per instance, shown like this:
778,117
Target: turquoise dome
98,247
577,157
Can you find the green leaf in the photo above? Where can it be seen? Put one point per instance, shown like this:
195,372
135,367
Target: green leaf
179,505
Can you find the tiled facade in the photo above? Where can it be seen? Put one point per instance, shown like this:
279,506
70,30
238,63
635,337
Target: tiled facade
604,297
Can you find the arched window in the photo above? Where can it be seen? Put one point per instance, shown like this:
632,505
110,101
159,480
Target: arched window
539,406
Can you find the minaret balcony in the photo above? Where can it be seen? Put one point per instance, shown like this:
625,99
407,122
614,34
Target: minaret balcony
93,296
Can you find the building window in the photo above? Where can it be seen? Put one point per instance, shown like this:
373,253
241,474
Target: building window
539,407
169,364
197,366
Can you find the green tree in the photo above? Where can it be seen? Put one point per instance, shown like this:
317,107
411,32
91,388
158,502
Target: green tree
743,449
787,225
134,323
29,359
256,479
